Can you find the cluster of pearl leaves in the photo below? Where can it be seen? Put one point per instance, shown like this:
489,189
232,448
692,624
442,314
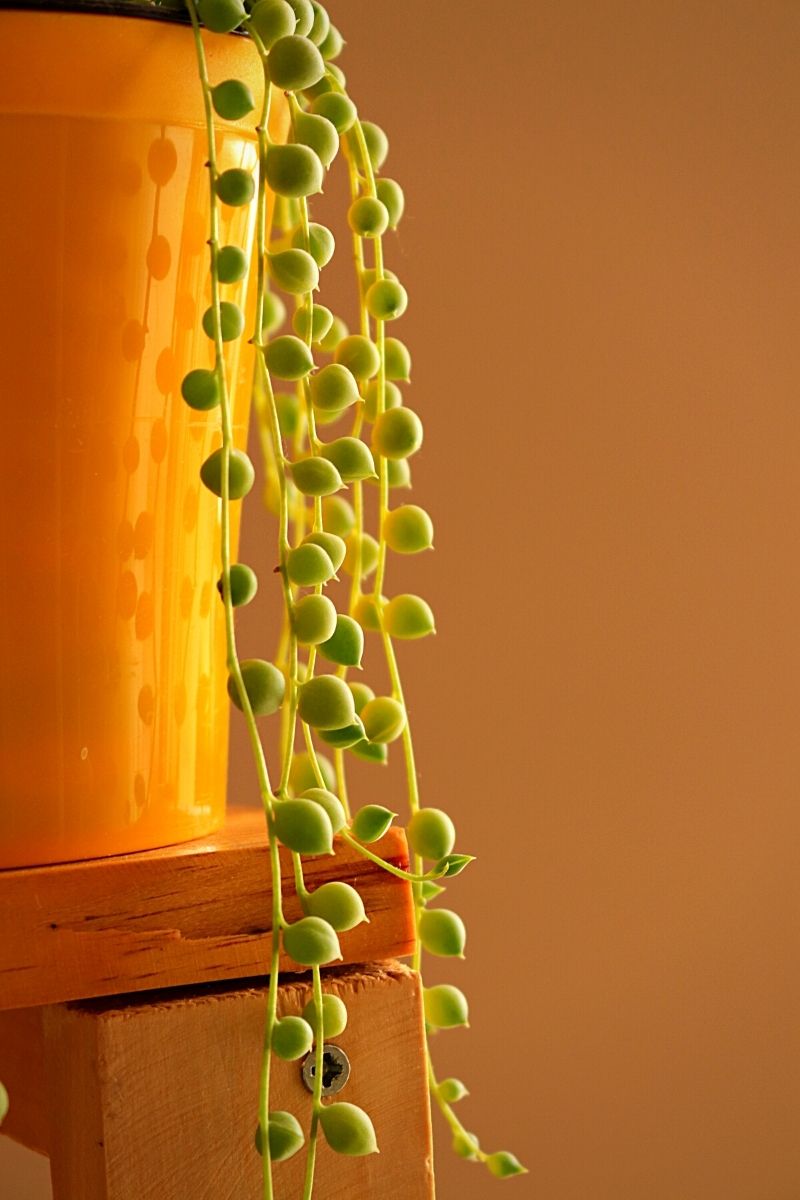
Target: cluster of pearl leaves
296,44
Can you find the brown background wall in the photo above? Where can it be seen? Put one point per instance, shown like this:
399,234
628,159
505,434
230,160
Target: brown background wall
602,248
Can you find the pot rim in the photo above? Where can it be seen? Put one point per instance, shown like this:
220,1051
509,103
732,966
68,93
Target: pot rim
173,11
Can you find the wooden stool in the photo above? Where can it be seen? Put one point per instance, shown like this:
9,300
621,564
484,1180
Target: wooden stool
140,1093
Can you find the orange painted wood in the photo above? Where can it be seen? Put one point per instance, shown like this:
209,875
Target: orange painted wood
184,914
22,1070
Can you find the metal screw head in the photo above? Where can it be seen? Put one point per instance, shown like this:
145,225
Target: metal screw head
335,1069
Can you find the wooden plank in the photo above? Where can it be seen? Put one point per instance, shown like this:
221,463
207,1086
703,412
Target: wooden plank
22,1072
185,914
175,1080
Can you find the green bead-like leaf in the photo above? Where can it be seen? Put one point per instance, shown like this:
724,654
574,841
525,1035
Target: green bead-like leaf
321,244
295,271
337,903
338,516
397,433
4,1103
231,264
408,529
292,1038
331,803
295,63
303,826
431,833
351,457
409,617
442,932
294,170
343,738
466,1145
359,355
391,195
371,822
364,562
384,719
334,1016
311,942
243,584
313,619
241,474
302,775
445,1006
362,694
315,476
231,321
336,108
375,752
345,646
452,1090
285,1134
221,16
398,360
319,133
453,864
503,1165
326,702
232,99
235,187
334,546
272,19
264,684
348,1130
288,357
200,390
308,566
334,389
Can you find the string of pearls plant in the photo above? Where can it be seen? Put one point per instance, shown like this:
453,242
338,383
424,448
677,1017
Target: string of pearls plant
320,533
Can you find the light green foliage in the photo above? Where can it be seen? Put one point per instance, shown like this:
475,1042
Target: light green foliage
243,584
200,389
408,529
362,694
386,300
398,360
241,475
442,932
348,1130
285,1134
351,458
313,619
292,1038
235,187
331,45
304,15
221,16
294,170
231,321
431,833
295,271
377,144
465,1145
274,313
397,433
337,903
295,63
503,1165
315,476
334,546
344,738
319,133
232,99
391,196
288,407
320,25
334,388
315,322
302,775
368,217
445,1006
311,942
303,826
365,612
288,357
264,685
338,109
359,355
326,703
452,1090
331,803
392,398
384,719
409,617
371,822
338,516
309,565
334,1015
321,243
375,752
345,646
272,19
368,560
231,264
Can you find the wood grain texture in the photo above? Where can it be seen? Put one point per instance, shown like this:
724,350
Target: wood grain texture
22,1071
161,1095
185,914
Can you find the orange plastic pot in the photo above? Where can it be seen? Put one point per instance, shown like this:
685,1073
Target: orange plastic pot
113,711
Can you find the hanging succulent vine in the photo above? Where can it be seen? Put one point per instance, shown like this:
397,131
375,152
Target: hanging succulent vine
306,803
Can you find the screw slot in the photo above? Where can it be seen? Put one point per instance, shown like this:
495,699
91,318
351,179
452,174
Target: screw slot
335,1069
